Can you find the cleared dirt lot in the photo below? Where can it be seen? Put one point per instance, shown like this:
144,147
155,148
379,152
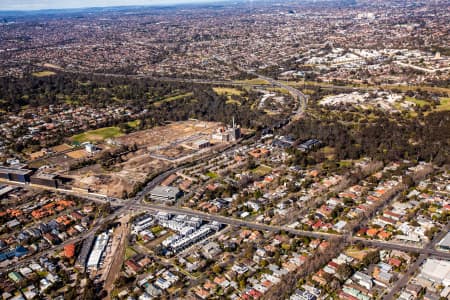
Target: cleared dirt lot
61,148
168,135
78,154
136,166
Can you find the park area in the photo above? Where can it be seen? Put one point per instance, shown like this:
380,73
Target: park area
97,135
229,93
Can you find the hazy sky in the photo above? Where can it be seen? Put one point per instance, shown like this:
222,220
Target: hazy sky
57,4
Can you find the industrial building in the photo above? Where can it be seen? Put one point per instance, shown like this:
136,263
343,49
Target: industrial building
51,180
97,251
309,145
283,142
84,253
165,193
6,189
17,175
228,134
436,271
444,244
90,148
201,144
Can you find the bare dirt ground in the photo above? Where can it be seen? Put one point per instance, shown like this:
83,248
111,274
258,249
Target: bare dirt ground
117,255
61,148
136,166
78,154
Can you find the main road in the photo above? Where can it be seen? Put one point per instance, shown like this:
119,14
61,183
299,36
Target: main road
430,250
293,91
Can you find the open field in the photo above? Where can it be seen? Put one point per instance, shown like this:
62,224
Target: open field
212,175
38,154
61,148
44,74
262,170
418,102
134,124
279,90
358,254
97,135
445,104
174,152
227,91
78,154
129,252
172,98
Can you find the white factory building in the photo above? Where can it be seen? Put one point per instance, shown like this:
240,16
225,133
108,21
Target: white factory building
98,250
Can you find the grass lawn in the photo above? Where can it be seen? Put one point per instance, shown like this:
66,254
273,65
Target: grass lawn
212,175
97,135
221,91
44,74
262,170
345,163
129,252
134,124
279,90
173,98
227,91
232,101
157,229
70,101
445,104
329,152
308,91
416,101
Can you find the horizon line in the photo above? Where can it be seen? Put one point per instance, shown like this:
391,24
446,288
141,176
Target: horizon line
159,4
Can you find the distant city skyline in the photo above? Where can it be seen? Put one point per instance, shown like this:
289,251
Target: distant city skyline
26,5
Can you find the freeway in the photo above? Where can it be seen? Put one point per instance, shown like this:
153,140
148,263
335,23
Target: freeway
296,94
293,91
160,78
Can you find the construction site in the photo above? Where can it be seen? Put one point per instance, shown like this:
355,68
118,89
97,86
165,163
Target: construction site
153,151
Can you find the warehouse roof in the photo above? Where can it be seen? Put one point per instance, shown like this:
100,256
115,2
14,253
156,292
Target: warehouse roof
445,242
15,171
165,191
